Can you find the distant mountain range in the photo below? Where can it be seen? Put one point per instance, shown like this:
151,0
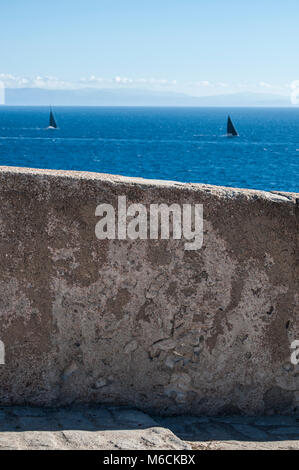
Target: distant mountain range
134,97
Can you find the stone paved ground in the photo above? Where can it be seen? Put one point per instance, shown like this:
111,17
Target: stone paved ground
113,427
236,432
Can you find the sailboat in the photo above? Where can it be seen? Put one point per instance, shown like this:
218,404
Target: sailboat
231,131
52,122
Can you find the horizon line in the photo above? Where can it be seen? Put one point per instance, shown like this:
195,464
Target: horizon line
293,106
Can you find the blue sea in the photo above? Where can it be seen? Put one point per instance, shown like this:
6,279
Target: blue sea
181,144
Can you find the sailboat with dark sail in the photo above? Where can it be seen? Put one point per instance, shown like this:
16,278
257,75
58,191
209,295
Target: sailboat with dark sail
231,130
52,121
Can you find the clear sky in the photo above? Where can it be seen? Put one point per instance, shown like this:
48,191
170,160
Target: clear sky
196,46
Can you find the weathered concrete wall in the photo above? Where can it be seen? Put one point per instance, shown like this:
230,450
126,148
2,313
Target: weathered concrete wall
145,322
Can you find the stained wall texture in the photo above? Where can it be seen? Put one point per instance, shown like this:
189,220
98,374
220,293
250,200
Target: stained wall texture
144,322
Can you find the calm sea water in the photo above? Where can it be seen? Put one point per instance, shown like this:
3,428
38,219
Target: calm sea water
182,144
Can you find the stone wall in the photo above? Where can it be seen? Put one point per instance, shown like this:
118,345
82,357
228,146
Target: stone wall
146,322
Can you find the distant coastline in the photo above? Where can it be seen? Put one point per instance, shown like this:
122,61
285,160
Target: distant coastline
137,97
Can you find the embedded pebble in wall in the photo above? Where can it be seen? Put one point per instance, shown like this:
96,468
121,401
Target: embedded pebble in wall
131,347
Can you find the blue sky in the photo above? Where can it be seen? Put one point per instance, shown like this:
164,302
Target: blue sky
192,46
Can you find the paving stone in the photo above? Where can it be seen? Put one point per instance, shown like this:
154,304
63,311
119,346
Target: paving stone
27,411
41,440
10,441
35,423
234,419
276,421
132,418
245,445
286,430
251,432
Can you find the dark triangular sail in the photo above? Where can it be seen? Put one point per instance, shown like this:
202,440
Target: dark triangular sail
231,128
52,122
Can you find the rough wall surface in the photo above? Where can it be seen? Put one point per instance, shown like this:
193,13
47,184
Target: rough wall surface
145,322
